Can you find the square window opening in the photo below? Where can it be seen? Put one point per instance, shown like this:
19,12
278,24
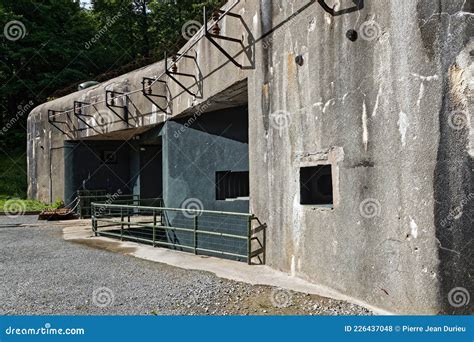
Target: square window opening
316,185
232,185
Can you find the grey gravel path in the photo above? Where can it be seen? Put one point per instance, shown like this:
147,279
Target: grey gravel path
41,274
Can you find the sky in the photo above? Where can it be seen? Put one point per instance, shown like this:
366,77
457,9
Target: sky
85,3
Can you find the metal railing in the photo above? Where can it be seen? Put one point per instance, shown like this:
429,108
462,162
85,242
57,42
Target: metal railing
204,232
84,206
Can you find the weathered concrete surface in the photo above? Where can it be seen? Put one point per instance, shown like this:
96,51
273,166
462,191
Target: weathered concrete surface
390,111
225,135
383,102
45,143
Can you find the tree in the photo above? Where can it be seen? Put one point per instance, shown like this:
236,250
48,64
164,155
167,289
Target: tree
61,45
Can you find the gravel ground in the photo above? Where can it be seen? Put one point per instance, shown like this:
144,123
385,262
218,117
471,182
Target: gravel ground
44,275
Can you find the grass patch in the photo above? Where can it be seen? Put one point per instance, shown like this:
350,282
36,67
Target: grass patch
13,185
16,205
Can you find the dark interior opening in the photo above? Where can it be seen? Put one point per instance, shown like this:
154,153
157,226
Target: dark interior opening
151,181
232,184
316,185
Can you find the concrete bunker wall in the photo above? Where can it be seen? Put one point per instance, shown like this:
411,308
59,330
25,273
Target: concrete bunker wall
208,65
372,108
197,148
377,106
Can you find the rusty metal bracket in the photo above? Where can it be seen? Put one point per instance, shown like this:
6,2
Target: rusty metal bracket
78,113
110,103
54,122
358,5
172,71
217,16
147,91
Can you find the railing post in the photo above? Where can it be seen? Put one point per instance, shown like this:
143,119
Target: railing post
162,216
94,222
195,233
264,245
154,227
121,223
249,240
79,208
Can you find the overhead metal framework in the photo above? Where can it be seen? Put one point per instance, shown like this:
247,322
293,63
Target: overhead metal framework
53,120
113,98
358,5
172,71
147,91
79,114
215,35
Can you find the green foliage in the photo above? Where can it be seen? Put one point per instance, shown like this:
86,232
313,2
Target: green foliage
65,45
13,174
30,205
168,18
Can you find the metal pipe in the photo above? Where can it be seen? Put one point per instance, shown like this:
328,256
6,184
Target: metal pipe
181,229
177,245
154,227
148,228
223,253
195,233
94,223
106,205
249,241
121,224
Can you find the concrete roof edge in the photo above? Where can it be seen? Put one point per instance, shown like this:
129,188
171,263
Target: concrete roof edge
103,84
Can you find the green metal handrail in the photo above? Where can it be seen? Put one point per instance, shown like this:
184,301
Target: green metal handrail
85,202
172,209
193,223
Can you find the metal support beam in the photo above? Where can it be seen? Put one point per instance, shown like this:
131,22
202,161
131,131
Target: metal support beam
172,73
54,122
78,113
110,103
358,5
147,91
213,36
